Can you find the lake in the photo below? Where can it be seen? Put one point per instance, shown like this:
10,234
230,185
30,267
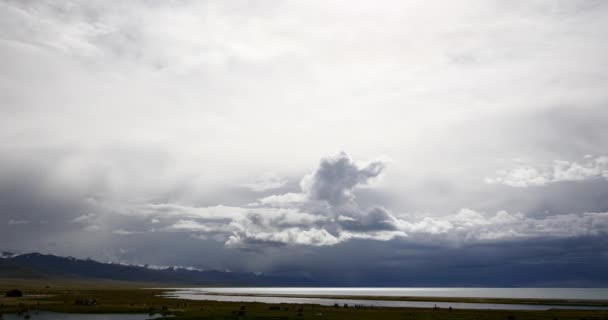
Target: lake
290,295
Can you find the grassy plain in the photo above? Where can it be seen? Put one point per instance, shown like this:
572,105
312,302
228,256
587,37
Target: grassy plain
123,297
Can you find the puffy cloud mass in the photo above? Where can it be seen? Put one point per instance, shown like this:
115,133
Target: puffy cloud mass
326,212
336,178
525,175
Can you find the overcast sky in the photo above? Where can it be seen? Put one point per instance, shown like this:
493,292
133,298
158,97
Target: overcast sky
358,140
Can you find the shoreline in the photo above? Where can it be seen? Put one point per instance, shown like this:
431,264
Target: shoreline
516,301
380,302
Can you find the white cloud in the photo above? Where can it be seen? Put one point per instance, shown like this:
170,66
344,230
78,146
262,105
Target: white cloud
468,225
326,213
17,222
265,182
221,92
84,219
282,200
310,237
88,222
168,210
337,177
92,227
283,84
591,168
125,232
374,219
192,225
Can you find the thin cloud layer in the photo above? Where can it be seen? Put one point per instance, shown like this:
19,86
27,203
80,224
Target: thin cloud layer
265,182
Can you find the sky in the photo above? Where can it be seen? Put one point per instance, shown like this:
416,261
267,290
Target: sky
357,143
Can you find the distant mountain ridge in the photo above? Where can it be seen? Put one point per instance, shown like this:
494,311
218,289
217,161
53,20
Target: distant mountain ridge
6,254
37,265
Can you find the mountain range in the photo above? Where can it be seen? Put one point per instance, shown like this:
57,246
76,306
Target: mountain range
43,266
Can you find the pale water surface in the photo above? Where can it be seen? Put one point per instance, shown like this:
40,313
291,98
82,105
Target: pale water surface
245,295
509,293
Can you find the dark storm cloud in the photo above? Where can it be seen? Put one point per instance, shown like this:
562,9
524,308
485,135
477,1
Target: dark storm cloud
24,197
565,262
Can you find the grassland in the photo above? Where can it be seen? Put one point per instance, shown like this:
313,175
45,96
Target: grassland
122,297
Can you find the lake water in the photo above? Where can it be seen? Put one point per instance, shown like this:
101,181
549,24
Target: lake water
291,296
508,293
44,315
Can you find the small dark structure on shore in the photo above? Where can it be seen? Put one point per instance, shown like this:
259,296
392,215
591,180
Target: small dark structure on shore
14,293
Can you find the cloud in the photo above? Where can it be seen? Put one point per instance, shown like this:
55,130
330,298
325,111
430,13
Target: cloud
92,227
337,177
266,182
282,200
158,212
374,219
591,168
308,237
88,222
326,213
222,92
468,225
86,218
125,232
290,227
326,194
17,222
275,225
